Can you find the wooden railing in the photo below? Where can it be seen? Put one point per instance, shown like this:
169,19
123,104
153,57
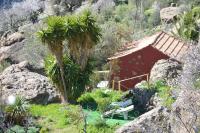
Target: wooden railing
135,77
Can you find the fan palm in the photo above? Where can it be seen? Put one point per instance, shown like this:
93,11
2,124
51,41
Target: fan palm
53,36
82,35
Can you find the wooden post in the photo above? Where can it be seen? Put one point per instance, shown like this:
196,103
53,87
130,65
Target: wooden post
148,85
113,84
119,85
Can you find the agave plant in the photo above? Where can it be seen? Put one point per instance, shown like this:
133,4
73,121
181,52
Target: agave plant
17,112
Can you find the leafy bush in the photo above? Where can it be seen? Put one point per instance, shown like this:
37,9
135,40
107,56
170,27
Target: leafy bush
165,94
101,97
159,84
187,26
86,100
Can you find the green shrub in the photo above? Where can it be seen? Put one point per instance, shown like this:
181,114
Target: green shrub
87,101
159,84
165,94
100,97
103,103
187,27
113,95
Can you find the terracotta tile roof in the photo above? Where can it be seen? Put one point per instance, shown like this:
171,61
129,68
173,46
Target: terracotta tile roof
165,43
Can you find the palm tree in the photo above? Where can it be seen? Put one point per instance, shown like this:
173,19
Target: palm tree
53,36
82,35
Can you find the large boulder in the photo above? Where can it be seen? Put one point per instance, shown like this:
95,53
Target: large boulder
169,70
18,80
154,121
169,14
185,115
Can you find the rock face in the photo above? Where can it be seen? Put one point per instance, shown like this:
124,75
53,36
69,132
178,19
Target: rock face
11,39
18,80
154,102
53,7
6,43
185,116
26,47
168,70
102,4
154,121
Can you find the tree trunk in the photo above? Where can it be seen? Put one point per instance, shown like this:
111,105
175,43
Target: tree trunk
60,63
57,50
